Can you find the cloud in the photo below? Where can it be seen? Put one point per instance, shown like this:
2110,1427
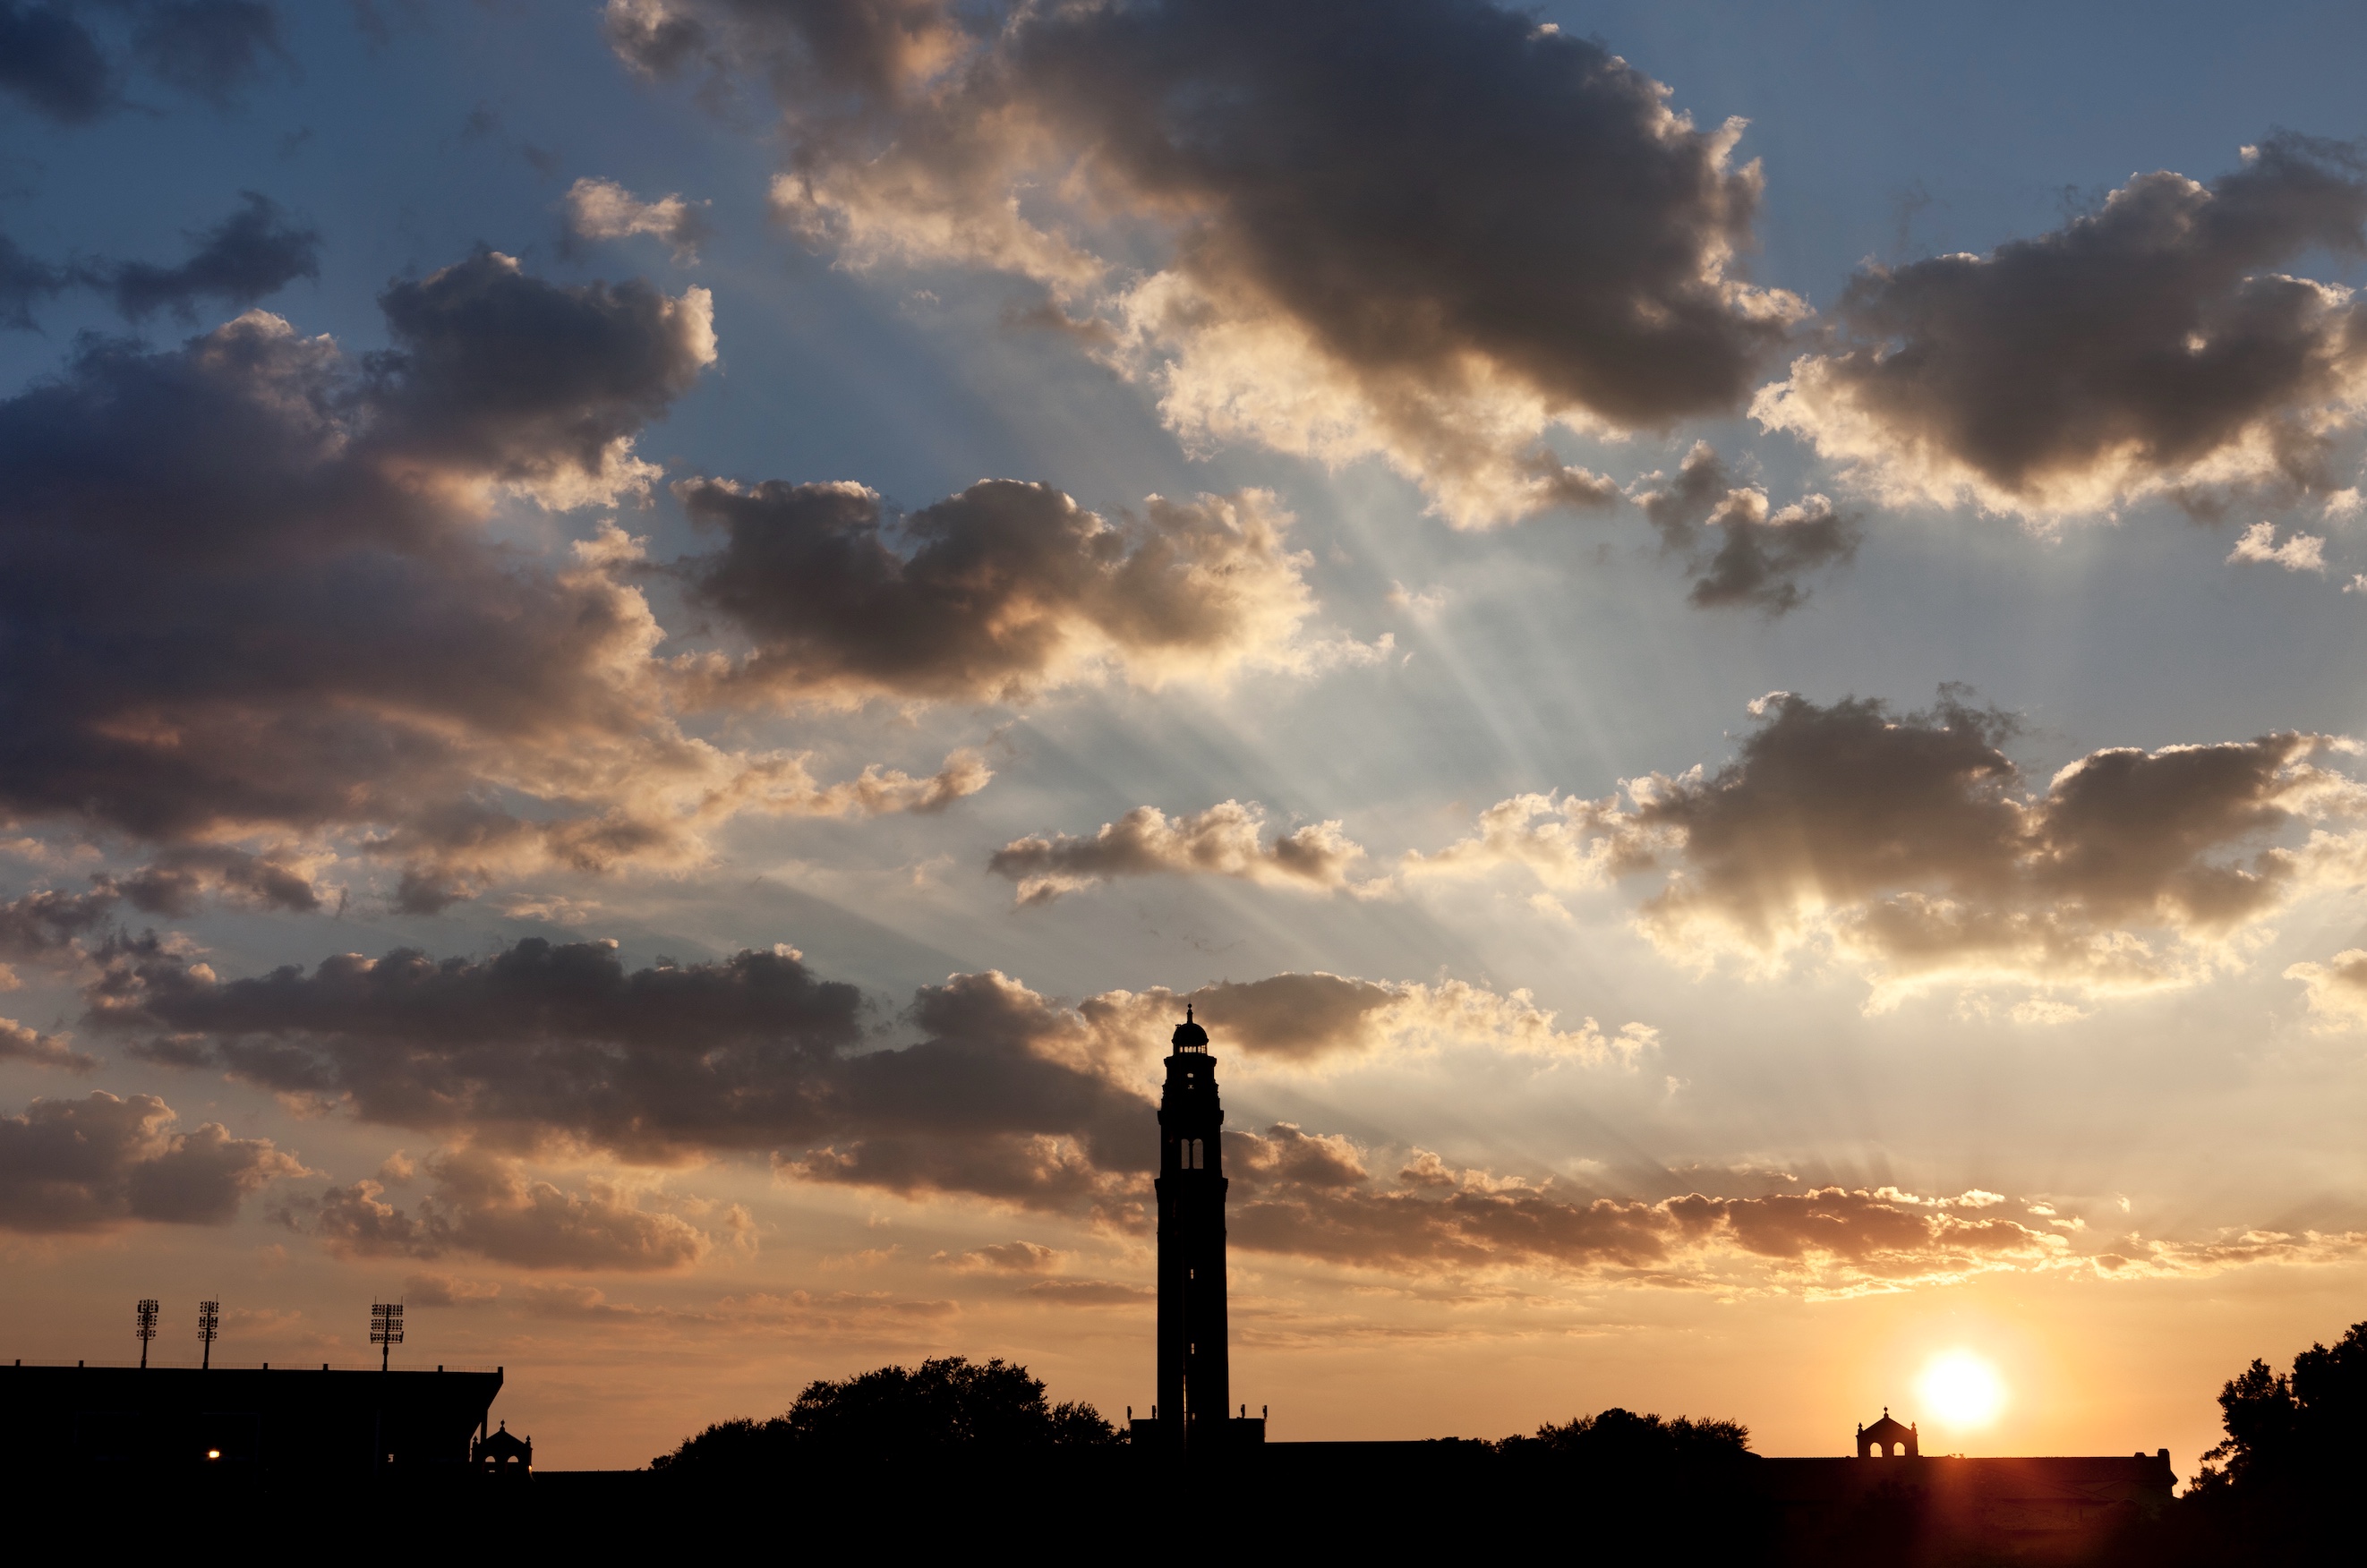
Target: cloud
603,210
1006,1258
251,600
487,1204
210,48
558,1045
1425,231
2302,552
1305,1018
444,1290
1314,1198
790,790
2141,1257
49,59
46,925
2148,347
253,252
2336,989
991,594
535,386
96,1163
1909,845
1087,1293
20,1042
180,879
1759,557
25,281
1224,840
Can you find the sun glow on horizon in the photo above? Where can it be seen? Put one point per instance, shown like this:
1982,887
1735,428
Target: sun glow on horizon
1961,1389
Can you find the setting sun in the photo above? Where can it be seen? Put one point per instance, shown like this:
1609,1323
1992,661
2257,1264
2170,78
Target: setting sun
1960,1390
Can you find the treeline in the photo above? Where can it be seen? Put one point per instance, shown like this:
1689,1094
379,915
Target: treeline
952,1404
895,1413
2289,1479
2288,1485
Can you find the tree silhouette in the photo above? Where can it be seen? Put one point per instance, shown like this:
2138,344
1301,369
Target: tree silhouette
891,1412
2289,1474
1622,1440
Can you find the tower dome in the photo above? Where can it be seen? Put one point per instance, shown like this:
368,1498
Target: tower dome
1189,1036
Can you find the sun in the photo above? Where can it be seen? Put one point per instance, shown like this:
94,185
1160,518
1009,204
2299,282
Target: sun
1961,1389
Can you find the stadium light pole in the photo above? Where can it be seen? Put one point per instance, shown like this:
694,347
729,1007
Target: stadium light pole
145,1317
386,1330
209,1324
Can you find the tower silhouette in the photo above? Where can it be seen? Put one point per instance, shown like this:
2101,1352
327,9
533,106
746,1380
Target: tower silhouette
1195,1370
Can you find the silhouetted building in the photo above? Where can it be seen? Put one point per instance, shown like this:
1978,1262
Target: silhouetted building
1194,1403
2039,1508
503,1455
186,1418
1887,1439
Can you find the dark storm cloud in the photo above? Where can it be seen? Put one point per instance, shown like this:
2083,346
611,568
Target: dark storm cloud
2149,345
1913,841
48,921
751,1055
487,1205
24,282
91,1164
1422,229
177,882
244,587
211,48
253,252
1745,556
493,372
559,1049
49,60
993,592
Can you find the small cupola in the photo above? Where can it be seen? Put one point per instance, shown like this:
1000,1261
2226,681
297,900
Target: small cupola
1888,1438
1189,1036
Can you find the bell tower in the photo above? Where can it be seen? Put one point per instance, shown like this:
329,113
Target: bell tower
1195,1370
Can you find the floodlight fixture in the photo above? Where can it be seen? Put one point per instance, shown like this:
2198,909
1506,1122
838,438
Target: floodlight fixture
386,1330
145,1316
208,1325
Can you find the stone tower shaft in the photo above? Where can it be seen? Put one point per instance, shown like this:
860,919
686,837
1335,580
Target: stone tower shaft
1195,1366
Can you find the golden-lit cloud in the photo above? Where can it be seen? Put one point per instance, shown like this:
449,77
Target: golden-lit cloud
1314,1198
2151,346
2336,990
1552,244
1227,839
1315,1018
603,210
488,1205
1910,847
991,595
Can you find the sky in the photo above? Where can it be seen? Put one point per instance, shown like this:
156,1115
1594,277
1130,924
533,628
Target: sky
650,647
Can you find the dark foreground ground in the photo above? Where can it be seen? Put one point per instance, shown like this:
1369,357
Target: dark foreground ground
1390,1501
